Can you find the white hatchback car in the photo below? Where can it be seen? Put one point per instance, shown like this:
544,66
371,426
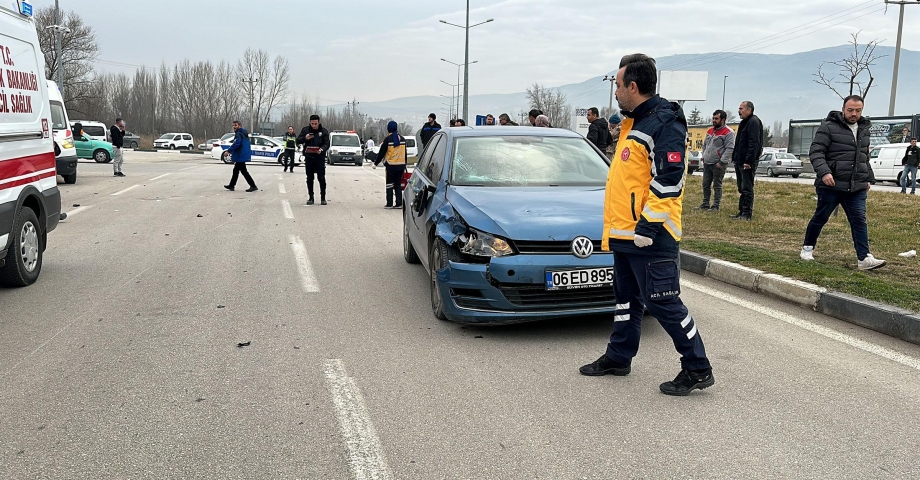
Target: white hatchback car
173,141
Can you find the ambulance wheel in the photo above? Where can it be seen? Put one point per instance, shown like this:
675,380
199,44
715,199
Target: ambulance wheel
24,259
225,157
70,179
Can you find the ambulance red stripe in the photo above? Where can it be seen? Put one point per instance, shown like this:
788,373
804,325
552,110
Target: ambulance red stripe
26,166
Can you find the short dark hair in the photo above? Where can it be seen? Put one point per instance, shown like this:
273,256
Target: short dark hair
594,111
720,113
314,117
913,138
237,122
432,116
117,119
854,97
461,122
535,113
642,70
749,104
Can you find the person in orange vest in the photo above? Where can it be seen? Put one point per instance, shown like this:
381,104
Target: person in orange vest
393,154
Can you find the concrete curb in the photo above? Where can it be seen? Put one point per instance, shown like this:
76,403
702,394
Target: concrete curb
892,321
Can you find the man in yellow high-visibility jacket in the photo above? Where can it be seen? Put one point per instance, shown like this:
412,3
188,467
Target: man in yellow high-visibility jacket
642,226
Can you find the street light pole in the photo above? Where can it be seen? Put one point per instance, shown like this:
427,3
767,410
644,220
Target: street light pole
57,46
612,80
466,56
724,81
252,86
897,55
458,81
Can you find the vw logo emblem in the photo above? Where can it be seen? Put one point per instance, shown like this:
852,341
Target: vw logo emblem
582,247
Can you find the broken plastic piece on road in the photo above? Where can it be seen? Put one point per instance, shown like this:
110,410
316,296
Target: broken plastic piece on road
220,306
76,204
245,344
200,215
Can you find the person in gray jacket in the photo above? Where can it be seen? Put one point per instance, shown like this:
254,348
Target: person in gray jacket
717,153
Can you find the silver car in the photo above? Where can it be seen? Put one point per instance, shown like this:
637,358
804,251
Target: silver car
776,164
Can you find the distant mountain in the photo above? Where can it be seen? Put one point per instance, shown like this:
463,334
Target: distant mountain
782,87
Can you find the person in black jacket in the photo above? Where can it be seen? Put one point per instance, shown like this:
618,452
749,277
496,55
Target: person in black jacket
117,132
911,161
840,157
315,141
429,129
748,147
597,131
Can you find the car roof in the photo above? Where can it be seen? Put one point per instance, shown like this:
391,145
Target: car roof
496,131
892,145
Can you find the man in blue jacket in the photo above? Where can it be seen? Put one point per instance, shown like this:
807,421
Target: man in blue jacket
241,153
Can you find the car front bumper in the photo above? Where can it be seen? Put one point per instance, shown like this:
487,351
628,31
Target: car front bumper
345,157
66,165
512,290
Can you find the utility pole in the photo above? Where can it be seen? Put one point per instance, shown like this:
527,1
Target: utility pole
466,59
897,54
613,84
724,80
353,105
59,31
252,93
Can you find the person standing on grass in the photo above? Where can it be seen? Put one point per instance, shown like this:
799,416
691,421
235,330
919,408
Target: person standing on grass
241,153
748,147
840,156
717,152
911,161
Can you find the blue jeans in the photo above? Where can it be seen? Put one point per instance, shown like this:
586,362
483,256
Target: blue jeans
854,204
654,283
912,170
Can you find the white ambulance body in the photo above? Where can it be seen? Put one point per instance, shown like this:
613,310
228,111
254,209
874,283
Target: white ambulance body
30,202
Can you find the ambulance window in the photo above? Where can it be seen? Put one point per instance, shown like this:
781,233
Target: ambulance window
58,117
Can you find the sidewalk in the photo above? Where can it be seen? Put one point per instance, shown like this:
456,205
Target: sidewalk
892,321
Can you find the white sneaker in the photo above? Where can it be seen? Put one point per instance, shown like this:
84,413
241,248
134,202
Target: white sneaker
807,253
870,263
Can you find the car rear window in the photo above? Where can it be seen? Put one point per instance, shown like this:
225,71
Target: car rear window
526,161
58,118
785,156
94,131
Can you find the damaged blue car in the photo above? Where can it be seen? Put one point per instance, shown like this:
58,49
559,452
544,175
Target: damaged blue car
508,222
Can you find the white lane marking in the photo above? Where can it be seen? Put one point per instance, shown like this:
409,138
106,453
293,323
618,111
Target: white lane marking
161,176
280,176
189,168
307,277
125,190
288,213
372,172
77,210
365,454
863,345
281,188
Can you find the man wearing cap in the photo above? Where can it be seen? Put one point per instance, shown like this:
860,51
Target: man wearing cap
613,126
394,155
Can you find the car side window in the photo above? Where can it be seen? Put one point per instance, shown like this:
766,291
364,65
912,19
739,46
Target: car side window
436,166
426,156
764,158
186,137
874,153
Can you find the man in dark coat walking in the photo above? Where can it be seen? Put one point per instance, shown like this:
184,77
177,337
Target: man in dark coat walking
840,156
748,147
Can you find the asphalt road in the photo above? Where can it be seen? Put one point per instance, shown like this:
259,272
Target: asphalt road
122,361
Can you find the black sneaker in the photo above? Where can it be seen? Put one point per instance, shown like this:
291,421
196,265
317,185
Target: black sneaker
702,207
228,187
714,209
388,206
310,202
688,381
604,366
323,202
252,189
742,217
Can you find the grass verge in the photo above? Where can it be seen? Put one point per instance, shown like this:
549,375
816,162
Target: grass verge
772,241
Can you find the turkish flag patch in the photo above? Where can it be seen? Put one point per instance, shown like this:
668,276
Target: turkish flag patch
673,157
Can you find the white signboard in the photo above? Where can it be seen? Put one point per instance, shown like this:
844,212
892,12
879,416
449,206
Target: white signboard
683,86
580,121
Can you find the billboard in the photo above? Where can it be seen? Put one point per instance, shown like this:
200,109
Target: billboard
580,121
696,136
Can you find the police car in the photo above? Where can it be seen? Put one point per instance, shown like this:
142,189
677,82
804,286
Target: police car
344,147
263,148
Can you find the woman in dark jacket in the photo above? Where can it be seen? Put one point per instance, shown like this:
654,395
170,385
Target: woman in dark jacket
840,157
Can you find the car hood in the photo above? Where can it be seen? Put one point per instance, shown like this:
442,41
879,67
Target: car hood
532,213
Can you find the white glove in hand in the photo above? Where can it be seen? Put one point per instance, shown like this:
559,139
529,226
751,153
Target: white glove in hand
642,242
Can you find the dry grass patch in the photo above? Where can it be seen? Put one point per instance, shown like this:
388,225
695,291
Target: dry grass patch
772,241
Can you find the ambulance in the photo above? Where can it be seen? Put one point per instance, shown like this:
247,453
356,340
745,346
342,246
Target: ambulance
30,203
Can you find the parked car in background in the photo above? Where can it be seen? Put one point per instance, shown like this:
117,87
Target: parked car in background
506,223
93,129
411,151
89,147
66,159
693,161
776,164
173,141
208,145
131,140
263,148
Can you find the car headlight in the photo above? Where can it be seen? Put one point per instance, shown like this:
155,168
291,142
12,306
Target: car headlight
67,143
334,152
481,244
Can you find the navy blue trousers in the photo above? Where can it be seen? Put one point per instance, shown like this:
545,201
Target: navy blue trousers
652,282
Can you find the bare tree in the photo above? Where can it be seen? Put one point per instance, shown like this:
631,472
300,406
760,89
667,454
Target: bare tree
853,70
78,51
264,83
553,103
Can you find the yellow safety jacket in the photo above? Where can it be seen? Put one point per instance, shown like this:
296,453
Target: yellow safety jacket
645,185
391,155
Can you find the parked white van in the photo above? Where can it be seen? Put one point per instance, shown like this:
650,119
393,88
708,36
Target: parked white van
30,202
173,141
887,161
94,130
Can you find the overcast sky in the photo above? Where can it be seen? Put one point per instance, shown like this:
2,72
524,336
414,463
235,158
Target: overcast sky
378,50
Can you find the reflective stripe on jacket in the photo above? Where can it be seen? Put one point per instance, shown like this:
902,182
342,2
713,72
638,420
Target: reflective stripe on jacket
645,185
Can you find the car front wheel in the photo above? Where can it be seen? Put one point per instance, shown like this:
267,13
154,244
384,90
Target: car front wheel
101,156
24,260
172,147
133,144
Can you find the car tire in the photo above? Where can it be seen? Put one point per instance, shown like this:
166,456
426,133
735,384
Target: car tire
795,175
133,144
101,156
770,172
27,240
70,179
409,253
172,147
191,147
359,162
438,258
899,180
225,157
691,170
